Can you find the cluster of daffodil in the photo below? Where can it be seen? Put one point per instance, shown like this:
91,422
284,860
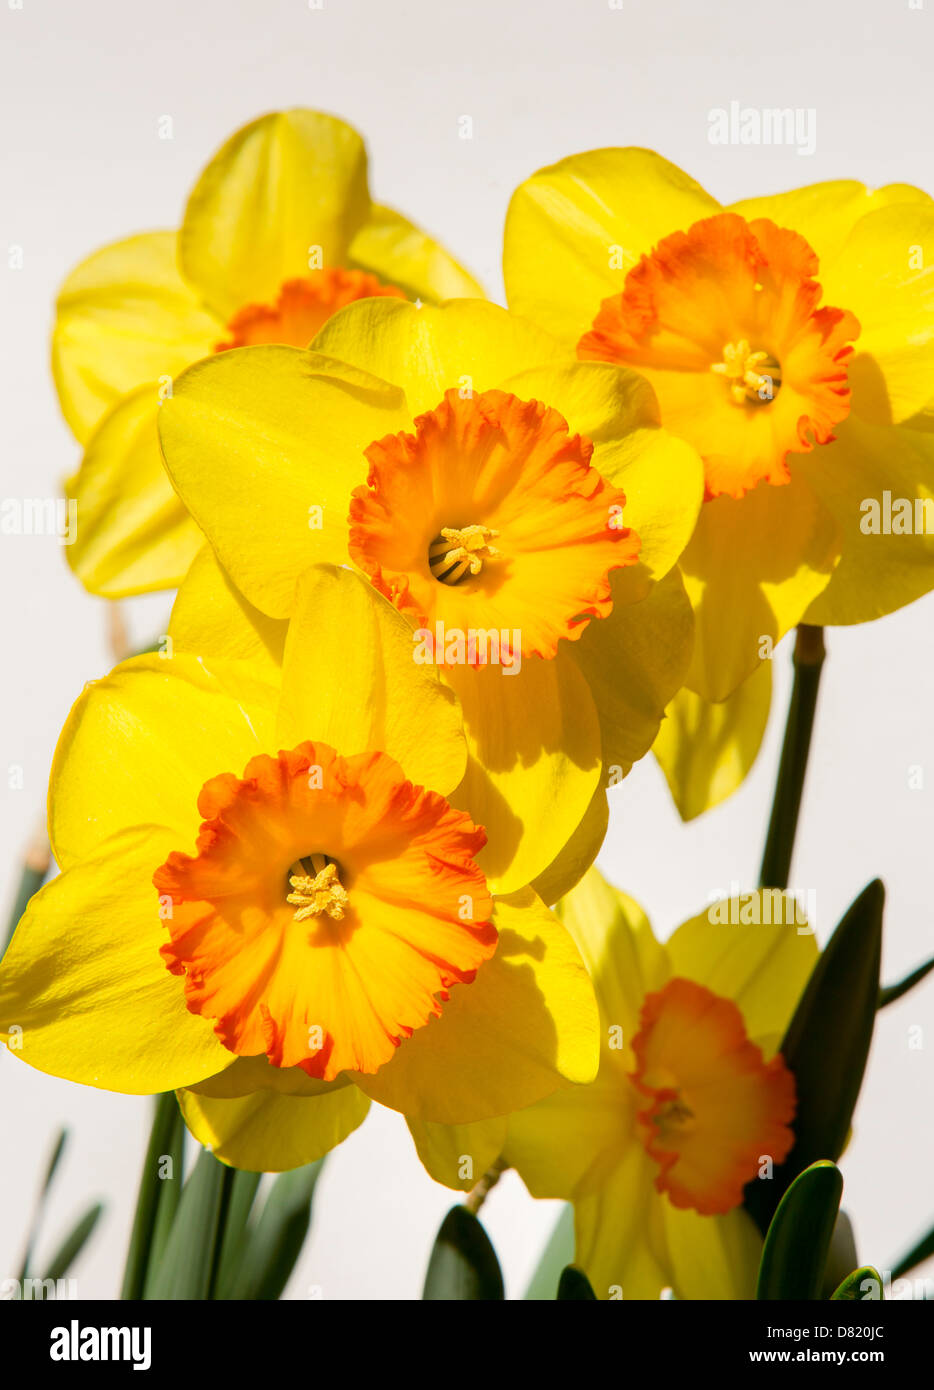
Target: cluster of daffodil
443,570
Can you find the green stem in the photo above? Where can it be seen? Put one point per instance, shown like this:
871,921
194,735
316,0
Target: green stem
780,840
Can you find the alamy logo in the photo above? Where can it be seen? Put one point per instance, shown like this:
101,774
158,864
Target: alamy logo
77,1343
455,646
40,516
754,125
899,516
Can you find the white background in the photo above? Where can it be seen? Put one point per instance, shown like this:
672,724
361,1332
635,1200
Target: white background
83,87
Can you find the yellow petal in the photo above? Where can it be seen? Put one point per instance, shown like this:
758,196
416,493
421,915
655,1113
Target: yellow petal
619,1232
885,275
573,1140
459,1155
527,1021
280,187
139,745
575,229
753,567
349,679
575,858
625,961
878,571
825,213
757,949
84,981
265,445
133,532
712,1257
270,1133
399,253
661,475
705,749
663,479
534,764
124,316
210,617
247,1075
466,343
634,661
604,402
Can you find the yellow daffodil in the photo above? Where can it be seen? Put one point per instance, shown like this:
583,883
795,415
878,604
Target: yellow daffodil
268,902
790,339
692,1100
522,511
278,233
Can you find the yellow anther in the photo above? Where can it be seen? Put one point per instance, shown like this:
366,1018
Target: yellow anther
752,376
322,892
461,550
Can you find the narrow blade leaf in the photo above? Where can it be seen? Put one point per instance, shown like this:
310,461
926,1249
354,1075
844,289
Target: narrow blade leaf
798,1240
574,1284
463,1263
274,1244
187,1265
150,1194
889,993
826,1046
852,1287
74,1243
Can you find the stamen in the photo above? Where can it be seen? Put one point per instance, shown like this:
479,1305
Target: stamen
459,551
753,376
317,888
674,1113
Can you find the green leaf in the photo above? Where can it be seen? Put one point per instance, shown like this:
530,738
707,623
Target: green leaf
915,1256
889,993
187,1265
274,1243
74,1243
841,1257
826,1046
152,1189
851,1287
557,1255
171,1182
463,1263
236,1233
798,1239
574,1284
55,1158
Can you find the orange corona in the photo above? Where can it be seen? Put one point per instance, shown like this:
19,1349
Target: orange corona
491,515
329,906
717,1107
725,322
302,307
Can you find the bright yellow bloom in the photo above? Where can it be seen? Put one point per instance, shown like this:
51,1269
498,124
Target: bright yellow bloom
521,510
790,339
279,232
268,901
690,1101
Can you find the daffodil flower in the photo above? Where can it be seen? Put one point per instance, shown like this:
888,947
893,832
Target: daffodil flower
790,339
522,511
268,902
691,1103
278,233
